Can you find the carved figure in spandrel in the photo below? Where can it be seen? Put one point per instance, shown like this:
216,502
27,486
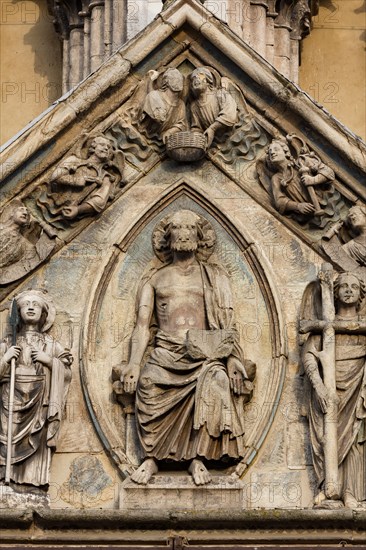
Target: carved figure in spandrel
299,183
42,378
82,186
345,241
213,109
334,358
191,390
24,242
164,111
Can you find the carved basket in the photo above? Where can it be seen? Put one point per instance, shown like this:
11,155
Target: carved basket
186,146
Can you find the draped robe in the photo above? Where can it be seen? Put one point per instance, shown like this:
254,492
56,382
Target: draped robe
351,390
39,400
184,405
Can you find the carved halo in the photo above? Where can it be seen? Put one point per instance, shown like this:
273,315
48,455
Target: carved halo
206,239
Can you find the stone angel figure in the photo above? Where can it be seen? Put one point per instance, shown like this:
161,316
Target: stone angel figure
83,183
218,109
42,379
24,242
345,241
300,185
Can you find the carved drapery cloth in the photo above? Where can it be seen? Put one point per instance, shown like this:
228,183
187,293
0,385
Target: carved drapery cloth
184,406
351,391
39,400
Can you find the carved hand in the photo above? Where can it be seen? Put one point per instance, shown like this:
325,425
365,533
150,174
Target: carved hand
322,396
307,180
237,375
12,353
305,208
210,134
41,357
70,212
129,377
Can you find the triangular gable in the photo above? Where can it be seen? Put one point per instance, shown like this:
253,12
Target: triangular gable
184,33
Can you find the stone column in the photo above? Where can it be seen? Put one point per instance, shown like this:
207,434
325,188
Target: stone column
96,34
76,56
65,65
258,26
282,49
119,24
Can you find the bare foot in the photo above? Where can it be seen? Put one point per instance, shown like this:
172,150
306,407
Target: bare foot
199,472
350,501
145,472
320,497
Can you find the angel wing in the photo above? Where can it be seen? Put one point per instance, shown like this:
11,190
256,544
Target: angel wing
234,90
264,174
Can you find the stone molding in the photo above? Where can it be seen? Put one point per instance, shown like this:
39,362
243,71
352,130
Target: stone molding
156,526
90,35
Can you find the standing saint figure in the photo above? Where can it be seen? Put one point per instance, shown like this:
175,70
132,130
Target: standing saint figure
349,410
191,390
42,378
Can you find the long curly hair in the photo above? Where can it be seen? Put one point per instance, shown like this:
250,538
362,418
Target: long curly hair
161,236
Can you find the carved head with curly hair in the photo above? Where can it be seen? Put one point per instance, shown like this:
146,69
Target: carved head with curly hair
183,231
278,153
349,290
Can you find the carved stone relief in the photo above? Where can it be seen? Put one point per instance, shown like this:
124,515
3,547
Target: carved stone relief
82,184
334,358
345,241
35,376
190,394
24,242
299,184
189,117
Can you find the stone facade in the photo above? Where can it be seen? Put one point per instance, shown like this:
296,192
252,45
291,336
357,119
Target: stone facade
203,224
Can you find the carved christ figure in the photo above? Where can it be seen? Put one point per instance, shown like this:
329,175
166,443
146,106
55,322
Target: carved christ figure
349,411
191,390
42,378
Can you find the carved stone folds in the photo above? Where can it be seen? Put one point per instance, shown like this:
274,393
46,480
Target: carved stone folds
35,375
334,357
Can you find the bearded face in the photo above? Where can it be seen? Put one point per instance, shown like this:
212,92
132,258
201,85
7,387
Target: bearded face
183,234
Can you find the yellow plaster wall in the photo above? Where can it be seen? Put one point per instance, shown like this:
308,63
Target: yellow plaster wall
30,64
333,68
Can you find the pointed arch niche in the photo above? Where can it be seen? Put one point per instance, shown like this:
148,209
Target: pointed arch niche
110,315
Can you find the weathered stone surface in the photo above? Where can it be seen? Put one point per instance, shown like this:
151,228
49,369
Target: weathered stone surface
177,492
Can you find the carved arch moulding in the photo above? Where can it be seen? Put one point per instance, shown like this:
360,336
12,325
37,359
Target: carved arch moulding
110,314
